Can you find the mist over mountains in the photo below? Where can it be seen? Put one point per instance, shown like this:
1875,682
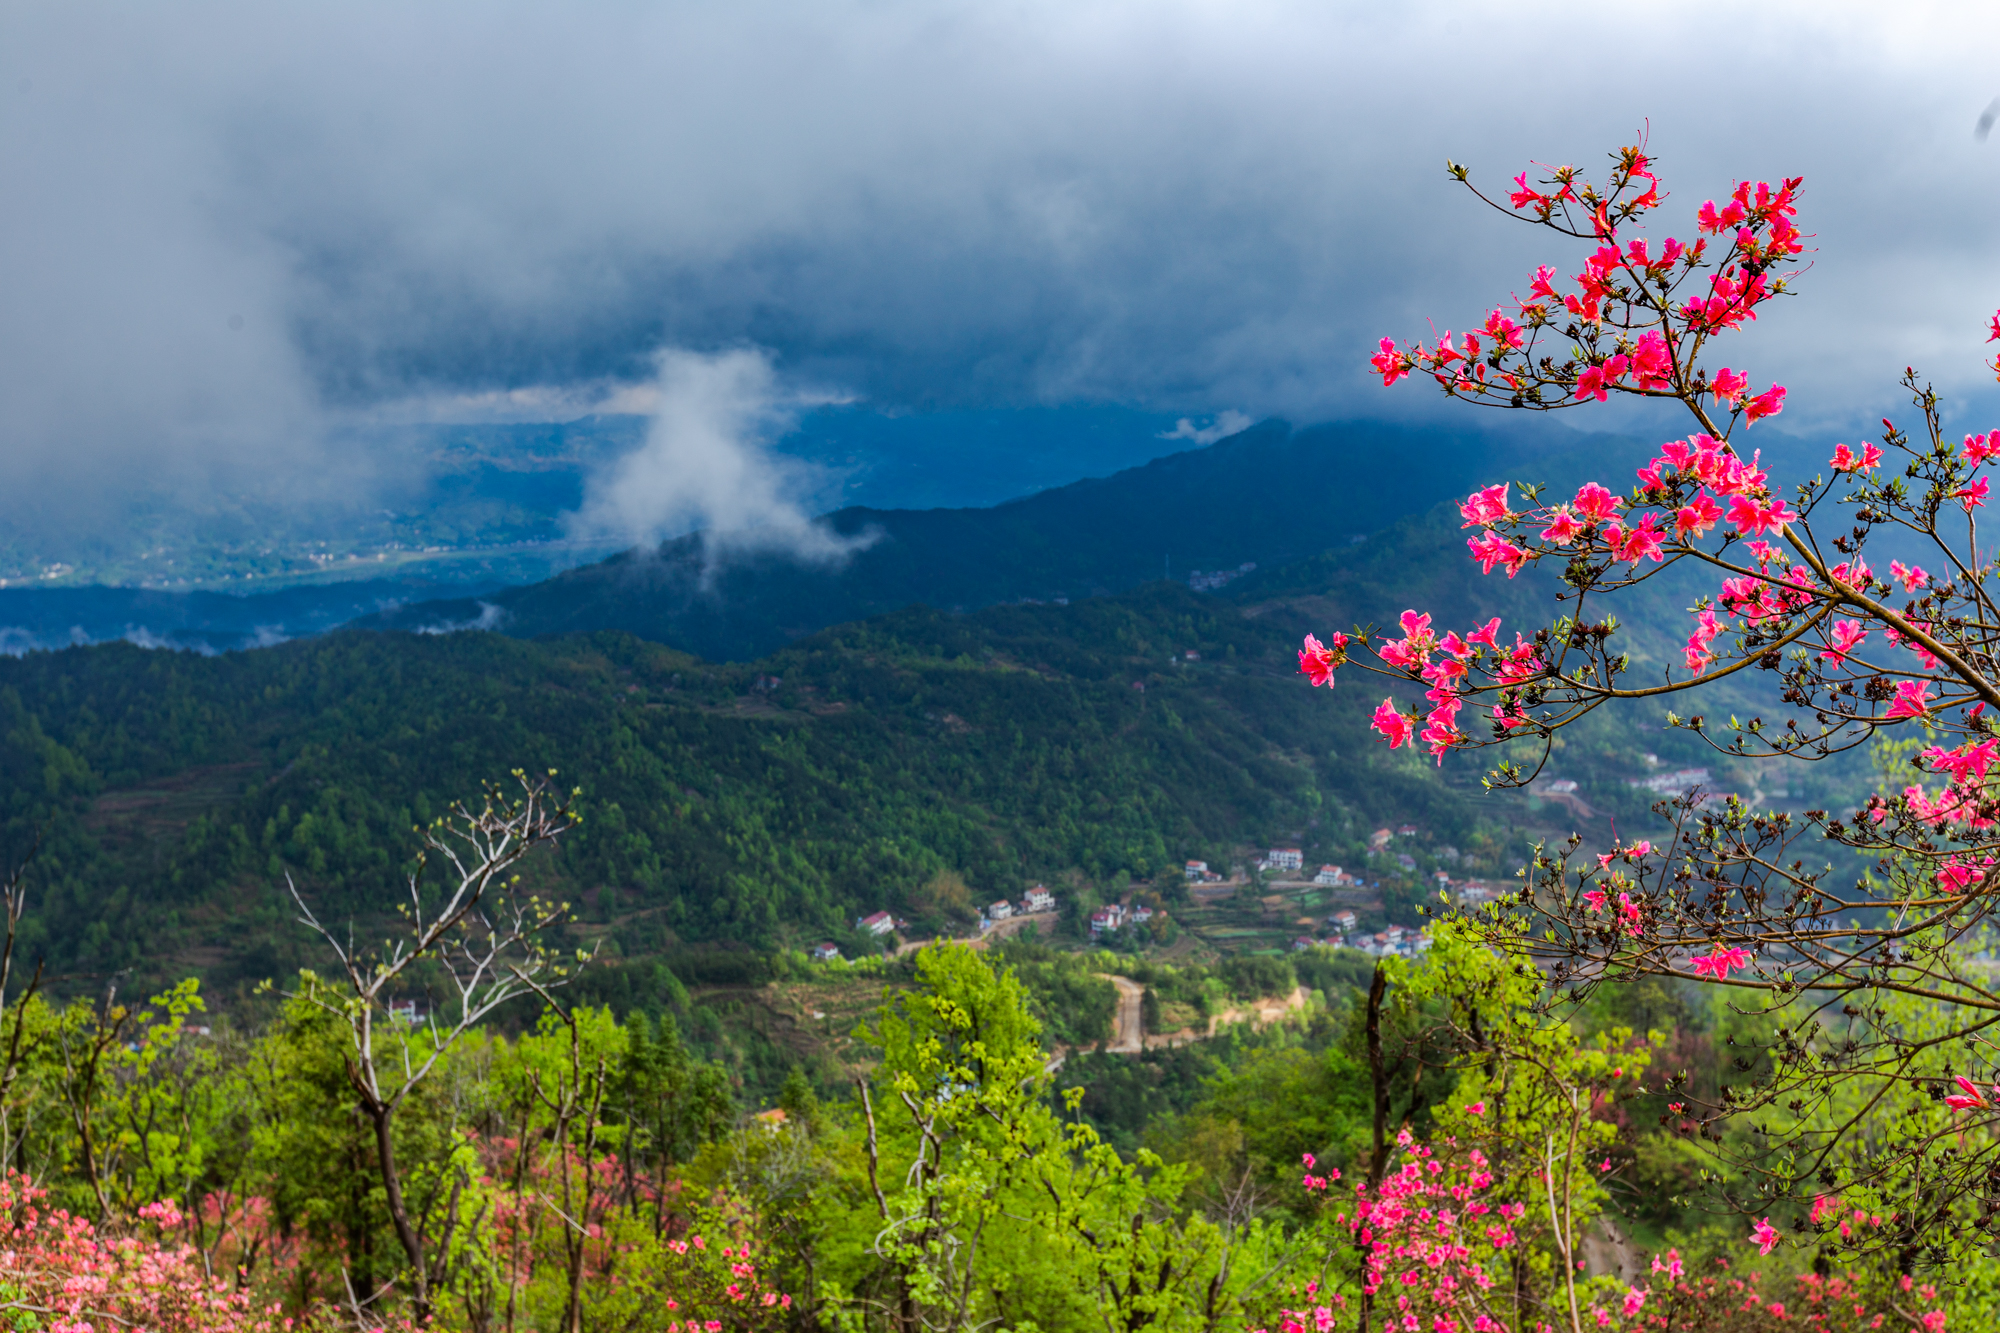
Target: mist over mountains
472,508
498,501
1265,496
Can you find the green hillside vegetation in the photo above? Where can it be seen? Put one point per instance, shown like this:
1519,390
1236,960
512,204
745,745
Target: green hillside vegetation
729,809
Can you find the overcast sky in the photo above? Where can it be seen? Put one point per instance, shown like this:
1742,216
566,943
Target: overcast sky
226,225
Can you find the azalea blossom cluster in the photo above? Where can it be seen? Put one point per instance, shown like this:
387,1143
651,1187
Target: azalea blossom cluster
59,1272
1636,312
1795,587
1722,1300
1432,1240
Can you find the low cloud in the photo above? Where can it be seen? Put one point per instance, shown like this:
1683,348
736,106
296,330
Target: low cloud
235,227
1221,427
490,617
706,465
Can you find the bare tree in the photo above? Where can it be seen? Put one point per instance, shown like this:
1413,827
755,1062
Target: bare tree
487,942
13,902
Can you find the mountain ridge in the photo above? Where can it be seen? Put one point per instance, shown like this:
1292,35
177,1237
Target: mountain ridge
1265,496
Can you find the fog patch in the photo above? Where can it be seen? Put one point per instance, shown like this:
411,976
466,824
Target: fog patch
706,465
1220,427
491,616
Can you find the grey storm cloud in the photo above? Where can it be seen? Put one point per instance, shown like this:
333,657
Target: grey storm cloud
230,224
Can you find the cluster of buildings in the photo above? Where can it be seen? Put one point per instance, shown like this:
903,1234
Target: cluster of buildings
1390,942
1677,783
1037,899
1283,858
1199,873
1117,916
1210,580
1381,837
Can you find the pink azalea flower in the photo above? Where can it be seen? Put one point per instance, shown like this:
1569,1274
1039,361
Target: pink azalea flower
1847,636
1912,577
1709,220
1846,460
1595,503
1590,383
1697,516
1389,363
1956,877
1394,726
1912,699
1486,507
1440,734
1562,529
1318,661
1642,542
1728,386
1979,448
1492,549
1766,404
1719,963
1754,520
1502,330
1765,1236
1968,1097
1596,898
1966,764
1651,362
1485,634
1973,496
1679,453
1764,551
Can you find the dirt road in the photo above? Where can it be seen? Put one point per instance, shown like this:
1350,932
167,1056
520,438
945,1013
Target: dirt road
1129,1036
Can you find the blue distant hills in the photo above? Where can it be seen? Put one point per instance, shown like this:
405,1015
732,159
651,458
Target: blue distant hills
1265,496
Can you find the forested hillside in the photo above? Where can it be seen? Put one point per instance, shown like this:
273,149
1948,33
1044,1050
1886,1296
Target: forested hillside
754,805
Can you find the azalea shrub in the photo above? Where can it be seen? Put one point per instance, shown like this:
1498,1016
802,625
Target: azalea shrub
1442,1253
1865,1078
62,1273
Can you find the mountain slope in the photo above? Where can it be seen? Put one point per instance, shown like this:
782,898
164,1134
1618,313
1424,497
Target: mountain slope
753,805
1268,495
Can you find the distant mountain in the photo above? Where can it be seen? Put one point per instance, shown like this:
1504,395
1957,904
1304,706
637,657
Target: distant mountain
1266,496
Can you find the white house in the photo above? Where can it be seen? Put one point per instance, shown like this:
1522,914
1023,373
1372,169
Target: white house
825,951
1139,912
1472,893
1038,899
1344,922
877,923
1332,876
1195,870
1107,918
1001,910
1286,858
